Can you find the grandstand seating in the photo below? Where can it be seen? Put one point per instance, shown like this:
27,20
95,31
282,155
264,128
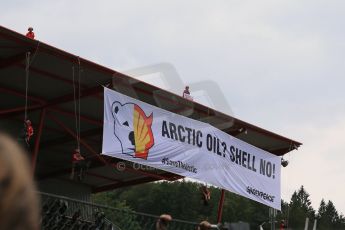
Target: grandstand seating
64,213
57,216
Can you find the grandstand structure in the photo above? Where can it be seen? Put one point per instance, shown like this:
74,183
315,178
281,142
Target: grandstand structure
51,108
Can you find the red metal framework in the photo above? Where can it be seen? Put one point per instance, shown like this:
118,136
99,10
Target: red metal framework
54,116
47,107
102,160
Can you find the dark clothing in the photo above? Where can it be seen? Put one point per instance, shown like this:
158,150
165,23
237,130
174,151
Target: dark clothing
186,91
81,166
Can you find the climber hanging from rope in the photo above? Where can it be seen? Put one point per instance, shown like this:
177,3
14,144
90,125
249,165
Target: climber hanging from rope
206,194
282,225
29,131
78,164
78,161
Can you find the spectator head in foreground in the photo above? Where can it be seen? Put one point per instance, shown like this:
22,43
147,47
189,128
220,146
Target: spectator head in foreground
163,221
19,207
204,225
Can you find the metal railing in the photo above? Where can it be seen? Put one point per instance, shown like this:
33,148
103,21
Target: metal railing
118,219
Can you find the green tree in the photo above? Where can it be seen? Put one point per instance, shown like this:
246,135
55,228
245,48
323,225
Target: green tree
120,214
182,200
328,217
299,209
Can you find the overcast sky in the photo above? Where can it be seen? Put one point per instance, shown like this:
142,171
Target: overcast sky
280,64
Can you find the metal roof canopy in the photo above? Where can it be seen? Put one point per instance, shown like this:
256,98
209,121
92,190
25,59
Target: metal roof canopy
51,110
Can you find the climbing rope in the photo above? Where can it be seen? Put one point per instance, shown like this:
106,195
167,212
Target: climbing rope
75,108
76,95
79,74
27,66
28,63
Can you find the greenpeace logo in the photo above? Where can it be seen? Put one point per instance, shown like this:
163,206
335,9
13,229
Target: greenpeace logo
179,164
260,194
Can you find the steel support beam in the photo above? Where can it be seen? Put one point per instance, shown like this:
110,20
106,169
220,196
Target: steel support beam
18,110
70,132
13,60
72,114
59,100
70,138
70,97
42,102
50,75
57,77
64,171
22,95
103,177
124,184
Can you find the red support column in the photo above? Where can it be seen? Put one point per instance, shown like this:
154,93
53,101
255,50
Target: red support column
70,132
37,141
220,206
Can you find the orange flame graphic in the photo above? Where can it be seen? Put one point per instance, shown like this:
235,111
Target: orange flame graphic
143,135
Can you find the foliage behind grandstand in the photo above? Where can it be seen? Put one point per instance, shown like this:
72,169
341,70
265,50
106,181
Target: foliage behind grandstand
182,199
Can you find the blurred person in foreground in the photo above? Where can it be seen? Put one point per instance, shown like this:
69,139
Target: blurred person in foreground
19,208
204,225
163,222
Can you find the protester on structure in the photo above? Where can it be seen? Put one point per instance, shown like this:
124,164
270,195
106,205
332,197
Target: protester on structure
186,91
25,135
186,94
163,222
206,194
204,225
29,131
282,225
30,34
78,163
19,208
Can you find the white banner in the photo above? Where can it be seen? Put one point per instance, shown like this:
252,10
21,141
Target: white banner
138,132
